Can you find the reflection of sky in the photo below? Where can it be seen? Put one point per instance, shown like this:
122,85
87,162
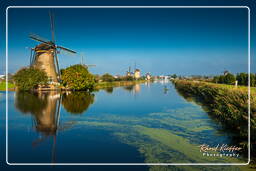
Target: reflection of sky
161,41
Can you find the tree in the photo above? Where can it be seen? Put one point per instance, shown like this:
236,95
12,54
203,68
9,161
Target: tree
229,78
28,78
107,78
221,79
77,77
253,80
216,79
242,78
174,76
128,78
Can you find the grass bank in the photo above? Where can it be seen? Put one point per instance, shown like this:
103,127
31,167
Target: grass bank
11,86
226,103
102,85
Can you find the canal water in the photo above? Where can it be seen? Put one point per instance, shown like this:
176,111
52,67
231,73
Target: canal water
144,123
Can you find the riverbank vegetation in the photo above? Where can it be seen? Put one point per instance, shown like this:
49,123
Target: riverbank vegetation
227,103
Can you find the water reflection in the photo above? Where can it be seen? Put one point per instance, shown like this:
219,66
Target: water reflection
44,106
77,102
152,125
133,88
45,109
129,88
109,90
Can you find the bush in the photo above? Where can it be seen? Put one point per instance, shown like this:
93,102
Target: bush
77,77
107,78
29,78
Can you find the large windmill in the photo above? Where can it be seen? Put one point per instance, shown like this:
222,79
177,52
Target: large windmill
44,56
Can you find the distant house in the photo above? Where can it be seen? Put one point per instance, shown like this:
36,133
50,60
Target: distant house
137,74
2,76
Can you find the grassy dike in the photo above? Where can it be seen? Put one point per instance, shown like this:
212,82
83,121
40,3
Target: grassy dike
226,103
102,85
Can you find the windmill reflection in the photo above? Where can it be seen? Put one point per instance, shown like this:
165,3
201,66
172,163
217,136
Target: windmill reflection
134,89
45,107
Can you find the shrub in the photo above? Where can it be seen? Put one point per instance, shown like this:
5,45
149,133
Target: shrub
29,78
77,77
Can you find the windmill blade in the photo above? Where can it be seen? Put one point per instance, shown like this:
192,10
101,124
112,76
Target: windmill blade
90,65
39,39
66,49
57,62
52,26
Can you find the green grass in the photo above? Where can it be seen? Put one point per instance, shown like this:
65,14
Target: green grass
3,86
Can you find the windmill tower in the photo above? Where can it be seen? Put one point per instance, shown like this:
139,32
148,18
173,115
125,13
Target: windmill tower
44,56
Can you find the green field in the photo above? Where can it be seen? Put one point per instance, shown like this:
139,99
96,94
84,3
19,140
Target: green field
3,86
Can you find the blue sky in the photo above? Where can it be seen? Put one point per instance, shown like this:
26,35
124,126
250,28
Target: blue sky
160,41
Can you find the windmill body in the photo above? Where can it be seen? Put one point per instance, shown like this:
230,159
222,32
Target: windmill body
44,60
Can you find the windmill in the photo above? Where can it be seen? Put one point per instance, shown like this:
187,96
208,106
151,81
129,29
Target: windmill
82,61
44,56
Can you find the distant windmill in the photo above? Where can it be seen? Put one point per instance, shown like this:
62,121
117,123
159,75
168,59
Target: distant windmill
44,56
82,62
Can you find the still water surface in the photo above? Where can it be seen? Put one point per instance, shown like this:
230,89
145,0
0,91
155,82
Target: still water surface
148,123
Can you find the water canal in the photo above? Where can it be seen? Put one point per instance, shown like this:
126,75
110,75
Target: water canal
144,123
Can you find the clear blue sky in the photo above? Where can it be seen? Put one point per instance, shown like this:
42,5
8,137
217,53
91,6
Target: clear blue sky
160,41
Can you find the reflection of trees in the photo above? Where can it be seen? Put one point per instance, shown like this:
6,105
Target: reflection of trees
109,90
129,88
77,102
28,102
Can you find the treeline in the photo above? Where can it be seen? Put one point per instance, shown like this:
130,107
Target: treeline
110,78
75,77
242,79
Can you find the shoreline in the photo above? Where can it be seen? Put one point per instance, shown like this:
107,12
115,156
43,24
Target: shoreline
98,86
